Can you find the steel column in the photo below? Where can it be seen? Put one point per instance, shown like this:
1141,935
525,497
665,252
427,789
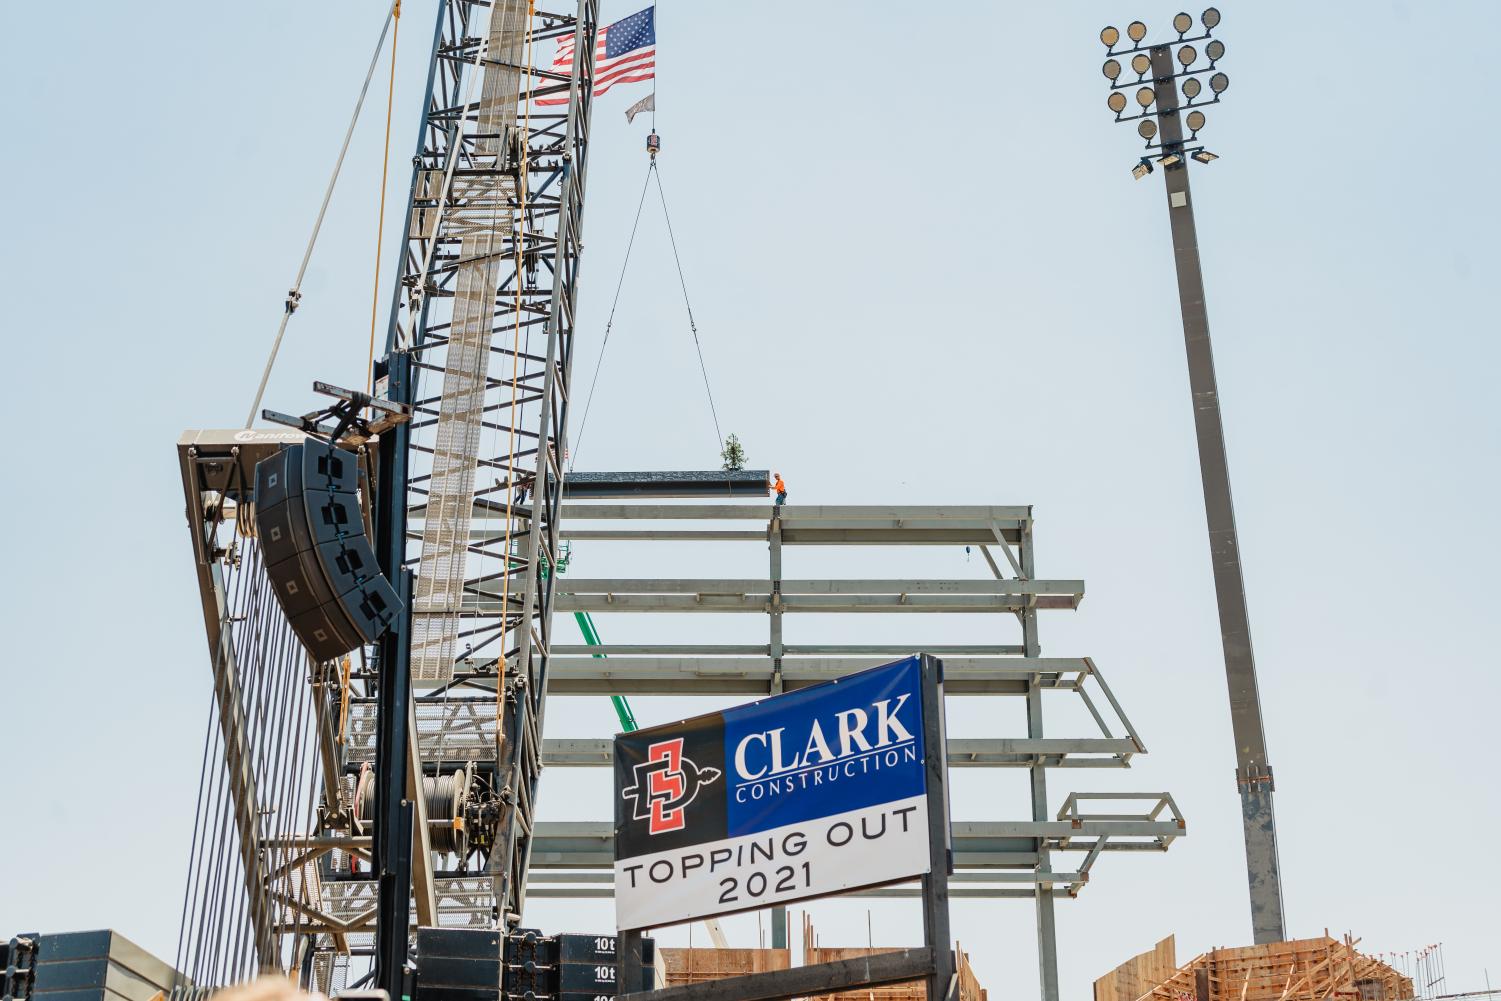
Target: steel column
393,811
935,885
1047,923
1253,772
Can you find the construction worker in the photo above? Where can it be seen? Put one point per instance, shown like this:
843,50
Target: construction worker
780,488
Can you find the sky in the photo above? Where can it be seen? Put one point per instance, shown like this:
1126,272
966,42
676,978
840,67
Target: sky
921,273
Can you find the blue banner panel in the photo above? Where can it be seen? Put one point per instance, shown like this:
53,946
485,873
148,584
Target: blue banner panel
833,748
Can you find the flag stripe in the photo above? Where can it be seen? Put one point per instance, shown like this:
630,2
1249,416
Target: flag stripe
634,73
600,91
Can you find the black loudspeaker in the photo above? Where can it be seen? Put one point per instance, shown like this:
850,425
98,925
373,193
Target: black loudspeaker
326,577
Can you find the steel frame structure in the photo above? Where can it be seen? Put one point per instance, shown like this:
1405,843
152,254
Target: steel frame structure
993,859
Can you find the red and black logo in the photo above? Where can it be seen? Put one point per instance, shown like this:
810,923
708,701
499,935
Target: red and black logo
666,782
670,787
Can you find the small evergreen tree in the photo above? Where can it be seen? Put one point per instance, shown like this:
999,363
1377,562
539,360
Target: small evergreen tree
733,455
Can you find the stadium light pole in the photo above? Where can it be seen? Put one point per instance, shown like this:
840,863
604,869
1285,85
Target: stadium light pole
1163,70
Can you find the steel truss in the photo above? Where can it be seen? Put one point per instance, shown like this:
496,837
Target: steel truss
480,344
484,311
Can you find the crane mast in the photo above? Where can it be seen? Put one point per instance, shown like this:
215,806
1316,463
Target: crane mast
480,344
356,797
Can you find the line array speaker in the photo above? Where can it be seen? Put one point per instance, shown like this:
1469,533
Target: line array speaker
326,578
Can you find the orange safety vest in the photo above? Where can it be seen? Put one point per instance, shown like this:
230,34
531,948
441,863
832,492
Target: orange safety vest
779,486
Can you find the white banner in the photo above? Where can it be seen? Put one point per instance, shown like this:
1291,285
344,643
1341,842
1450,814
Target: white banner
877,844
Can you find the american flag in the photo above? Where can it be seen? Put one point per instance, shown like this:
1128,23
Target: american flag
625,53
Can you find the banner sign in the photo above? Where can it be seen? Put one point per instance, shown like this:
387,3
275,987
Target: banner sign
814,792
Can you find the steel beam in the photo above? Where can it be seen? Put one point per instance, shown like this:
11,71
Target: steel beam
754,675
761,603
962,753
590,844
742,585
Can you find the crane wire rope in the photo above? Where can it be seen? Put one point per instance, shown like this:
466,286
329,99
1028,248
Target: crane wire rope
605,343
651,172
380,222
295,295
714,413
520,238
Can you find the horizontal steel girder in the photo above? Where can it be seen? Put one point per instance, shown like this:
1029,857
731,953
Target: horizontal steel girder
753,675
962,753
761,603
815,525
739,586
590,844
788,650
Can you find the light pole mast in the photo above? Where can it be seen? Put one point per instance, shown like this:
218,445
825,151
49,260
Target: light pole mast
1163,69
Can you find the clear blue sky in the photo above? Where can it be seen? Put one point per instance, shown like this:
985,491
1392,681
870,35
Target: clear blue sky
921,271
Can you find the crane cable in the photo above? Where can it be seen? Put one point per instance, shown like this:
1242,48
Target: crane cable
294,296
651,172
619,284
688,305
380,223
520,238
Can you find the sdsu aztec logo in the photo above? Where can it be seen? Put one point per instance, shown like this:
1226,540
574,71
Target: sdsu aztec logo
666,782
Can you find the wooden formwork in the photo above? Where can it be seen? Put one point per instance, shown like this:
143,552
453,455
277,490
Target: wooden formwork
693,966
1310,969
1138,975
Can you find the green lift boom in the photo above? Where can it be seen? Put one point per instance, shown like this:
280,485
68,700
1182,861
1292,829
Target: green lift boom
622,707
628,724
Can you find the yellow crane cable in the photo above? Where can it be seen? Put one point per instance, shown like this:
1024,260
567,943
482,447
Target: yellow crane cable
380,225
343,701
505,586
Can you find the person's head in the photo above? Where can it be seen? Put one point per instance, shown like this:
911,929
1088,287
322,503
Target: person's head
776,476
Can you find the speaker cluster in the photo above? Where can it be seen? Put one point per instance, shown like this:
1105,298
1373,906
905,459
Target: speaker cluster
327,580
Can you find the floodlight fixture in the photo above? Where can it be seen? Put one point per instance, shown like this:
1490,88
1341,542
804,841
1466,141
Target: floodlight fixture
1168,142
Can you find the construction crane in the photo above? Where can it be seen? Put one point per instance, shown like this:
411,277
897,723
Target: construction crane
399,783
480,344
